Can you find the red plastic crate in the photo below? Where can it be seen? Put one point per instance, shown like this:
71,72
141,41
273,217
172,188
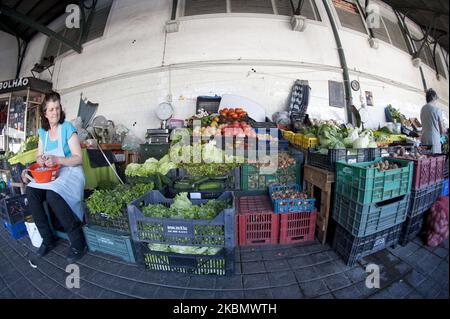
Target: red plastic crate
297,227
257,223
428,171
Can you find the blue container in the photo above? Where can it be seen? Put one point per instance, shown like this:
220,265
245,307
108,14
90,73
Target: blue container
17,231
281,206
445,189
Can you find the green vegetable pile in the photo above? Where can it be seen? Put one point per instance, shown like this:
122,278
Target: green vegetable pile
190,250
30,143
182,208
396,114
113,202
150,167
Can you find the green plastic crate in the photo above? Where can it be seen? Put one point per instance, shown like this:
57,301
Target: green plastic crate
252,178
369,185
109,242
363,220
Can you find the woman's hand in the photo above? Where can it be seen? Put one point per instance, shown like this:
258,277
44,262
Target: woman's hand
52,161
41,160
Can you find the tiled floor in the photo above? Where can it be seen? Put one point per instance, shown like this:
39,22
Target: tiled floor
288,272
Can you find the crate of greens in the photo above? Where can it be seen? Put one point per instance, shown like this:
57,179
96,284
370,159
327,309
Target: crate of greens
193,260
108,207
156,219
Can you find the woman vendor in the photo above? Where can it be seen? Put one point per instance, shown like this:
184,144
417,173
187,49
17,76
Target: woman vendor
59,145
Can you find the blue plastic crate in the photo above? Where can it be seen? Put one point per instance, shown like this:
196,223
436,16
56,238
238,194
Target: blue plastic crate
281,206
445,189
17,231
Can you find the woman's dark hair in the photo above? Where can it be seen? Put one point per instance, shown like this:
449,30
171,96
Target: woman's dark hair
431,95
50,97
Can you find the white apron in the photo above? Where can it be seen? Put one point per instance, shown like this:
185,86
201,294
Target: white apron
70,181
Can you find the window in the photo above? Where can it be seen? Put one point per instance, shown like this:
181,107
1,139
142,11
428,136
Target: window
426,55
252,6
308,9
395,33
349,15
96,30
282,7
195,7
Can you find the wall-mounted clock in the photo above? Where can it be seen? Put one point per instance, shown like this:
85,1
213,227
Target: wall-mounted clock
355,85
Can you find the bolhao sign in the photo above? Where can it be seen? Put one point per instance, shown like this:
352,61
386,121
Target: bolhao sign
24,83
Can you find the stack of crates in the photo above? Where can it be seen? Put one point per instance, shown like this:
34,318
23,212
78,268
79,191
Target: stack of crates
297,217
427,186
159,241
108,235
370,207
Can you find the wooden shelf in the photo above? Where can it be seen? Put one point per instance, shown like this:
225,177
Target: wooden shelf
34,102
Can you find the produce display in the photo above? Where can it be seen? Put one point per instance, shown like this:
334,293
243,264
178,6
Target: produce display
289,194
182,208
231,114
201,183
403,154
384,165
437,223
150,167
190,250
111,203
396,114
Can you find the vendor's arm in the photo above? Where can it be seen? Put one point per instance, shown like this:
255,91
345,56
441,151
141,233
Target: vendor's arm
39,159
74,160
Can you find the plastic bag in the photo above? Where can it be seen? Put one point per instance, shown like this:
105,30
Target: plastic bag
437,222
131,142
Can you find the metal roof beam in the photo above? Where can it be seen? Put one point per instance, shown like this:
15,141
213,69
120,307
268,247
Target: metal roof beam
4,10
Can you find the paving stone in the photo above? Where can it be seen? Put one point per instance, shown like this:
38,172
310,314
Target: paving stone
276,265
59,292
131,272
199,294
441,252
348,293
428,289
320,258
364,290
258,294
443,294
282,278
300,262
169,293
382,294
414,278
328,268
253,267
427,264
399,290
11,276
107,294
356,274
88,290
23,289
2,284
176,280
289,292
7,294
234,282
256,281
251,256
238,294
47,284
414,295
325,296
338,281
274,255
144,291
314,288
120,285
307,274
441,274
202,282
87,272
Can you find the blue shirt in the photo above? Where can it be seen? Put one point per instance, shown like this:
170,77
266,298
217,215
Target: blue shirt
67,129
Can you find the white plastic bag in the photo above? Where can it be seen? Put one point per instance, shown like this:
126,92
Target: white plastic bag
131,142
33,232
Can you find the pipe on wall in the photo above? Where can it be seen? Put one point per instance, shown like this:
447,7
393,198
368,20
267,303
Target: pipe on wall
343,61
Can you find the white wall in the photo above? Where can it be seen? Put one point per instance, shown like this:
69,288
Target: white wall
8,56
135,65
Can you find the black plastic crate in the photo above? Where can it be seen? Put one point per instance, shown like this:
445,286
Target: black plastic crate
16,172
350,156
102,220
217,232
220,264
209,103
422,199
352,248
14,209
412,227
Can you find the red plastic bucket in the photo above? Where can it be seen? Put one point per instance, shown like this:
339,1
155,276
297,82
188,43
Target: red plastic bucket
42,174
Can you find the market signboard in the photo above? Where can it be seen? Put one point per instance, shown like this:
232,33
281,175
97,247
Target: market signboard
24,83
